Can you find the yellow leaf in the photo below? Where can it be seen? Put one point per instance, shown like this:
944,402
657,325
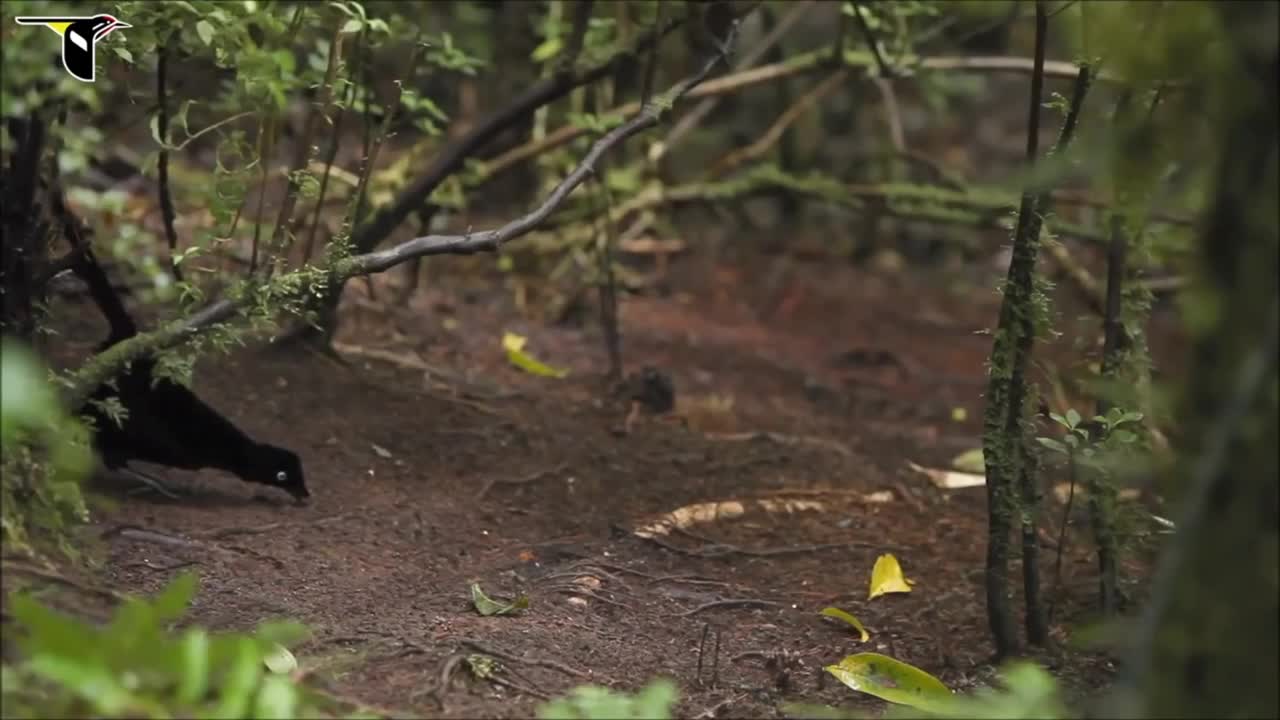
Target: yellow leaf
886,577
514,345
891,680
970,461
959,414
839,614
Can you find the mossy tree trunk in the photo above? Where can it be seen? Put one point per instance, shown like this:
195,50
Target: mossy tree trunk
1012,485
1209,642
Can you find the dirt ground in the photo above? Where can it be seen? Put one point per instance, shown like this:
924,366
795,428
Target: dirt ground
445,466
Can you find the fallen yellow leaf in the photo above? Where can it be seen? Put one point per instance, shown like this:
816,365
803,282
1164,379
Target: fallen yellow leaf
886,577
514,345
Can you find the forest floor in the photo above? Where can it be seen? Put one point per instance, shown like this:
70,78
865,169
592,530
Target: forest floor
442,465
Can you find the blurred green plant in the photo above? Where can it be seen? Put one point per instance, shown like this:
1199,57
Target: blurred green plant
592,702
136,666
45,455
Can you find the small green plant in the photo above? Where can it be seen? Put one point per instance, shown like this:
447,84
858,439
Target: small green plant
45,454
1088,438
136,666
592,702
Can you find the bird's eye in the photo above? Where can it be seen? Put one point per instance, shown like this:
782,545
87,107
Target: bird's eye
281,476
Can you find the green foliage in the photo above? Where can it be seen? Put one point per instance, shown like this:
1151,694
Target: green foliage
1089,440
1029,692
136,666
45,455
591,702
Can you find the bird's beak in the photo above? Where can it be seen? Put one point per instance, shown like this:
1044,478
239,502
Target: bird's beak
120,25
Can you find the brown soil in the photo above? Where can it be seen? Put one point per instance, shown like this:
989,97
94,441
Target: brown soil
426,482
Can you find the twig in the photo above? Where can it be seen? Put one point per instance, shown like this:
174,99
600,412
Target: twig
228,532
280,240
691,119
719,550
587,592
775,132
791,440
1062,536
536,662
886,71
608,287
167,211
532,477
368,235
724,604
689,580
54,577
497,680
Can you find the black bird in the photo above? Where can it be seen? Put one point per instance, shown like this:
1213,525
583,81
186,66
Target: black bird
165,422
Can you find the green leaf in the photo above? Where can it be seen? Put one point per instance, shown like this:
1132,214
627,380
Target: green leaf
277,698
971,461
90,680
1052,444
173,601
837,613
547,50
193,651
123,53
354,25
1073,418
1125,436
891,680
279,660
488,606
282,632
237,689
205,30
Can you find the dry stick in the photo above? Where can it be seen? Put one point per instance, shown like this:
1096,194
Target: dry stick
608,287
766,141
1062,536
107,364
534,477
279,236
334,143
536,662
54,577
691,119
772,73
258,530
167,212
368,235
732,603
